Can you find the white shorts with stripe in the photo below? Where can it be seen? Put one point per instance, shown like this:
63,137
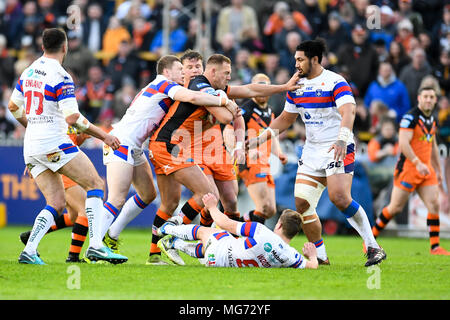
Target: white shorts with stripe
318,162
53,160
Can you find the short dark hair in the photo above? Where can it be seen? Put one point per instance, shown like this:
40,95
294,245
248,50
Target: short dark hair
165,62
313,48
191,54
291,222
427,88
53,39
218,59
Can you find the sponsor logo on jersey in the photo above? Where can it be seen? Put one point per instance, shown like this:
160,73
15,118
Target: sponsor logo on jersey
276,256
202,85
263,261
54,157
267,247
211,259
40,72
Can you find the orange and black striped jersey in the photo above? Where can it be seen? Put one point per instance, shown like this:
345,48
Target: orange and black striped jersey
185,122
424,133
256,120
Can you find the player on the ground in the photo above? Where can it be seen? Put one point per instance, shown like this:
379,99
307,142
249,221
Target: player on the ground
327,107
255,172
177,146
128,164
47,92
257,245
75,216
418,167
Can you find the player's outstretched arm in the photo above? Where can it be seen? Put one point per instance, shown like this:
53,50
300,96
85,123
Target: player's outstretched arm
82,124
221,220
239,132
280,124
262,90
201,98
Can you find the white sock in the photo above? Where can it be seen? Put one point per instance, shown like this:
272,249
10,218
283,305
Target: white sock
321,252
44,220
361,224
131,209
193,249
94,208
185,231
109,215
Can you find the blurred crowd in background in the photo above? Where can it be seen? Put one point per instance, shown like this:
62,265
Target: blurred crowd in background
385,49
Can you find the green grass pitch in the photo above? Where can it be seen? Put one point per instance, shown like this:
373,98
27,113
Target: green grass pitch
409,272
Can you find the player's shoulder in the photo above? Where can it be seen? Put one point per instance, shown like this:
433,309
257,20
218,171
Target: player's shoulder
160,80
248,105
332,77
200,83
409,119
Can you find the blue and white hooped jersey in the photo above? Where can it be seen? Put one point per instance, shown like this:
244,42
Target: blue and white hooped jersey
146,111
44,89
258,246
318,101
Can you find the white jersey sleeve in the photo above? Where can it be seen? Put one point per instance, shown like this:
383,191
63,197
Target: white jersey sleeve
342,93
65,93
17,94
289,105
146,111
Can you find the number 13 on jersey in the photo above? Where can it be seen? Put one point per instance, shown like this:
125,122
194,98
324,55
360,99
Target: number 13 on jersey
36,99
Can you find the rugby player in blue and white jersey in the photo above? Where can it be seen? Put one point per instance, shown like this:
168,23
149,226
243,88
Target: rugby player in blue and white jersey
326,105
256,246
47,92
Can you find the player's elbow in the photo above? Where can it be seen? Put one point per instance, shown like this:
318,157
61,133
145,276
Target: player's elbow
12,107
225,117
72,119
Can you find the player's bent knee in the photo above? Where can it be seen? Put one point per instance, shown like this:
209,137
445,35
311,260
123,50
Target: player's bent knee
308,194
148,196
309,216
58,205
340,200
268,210
301,205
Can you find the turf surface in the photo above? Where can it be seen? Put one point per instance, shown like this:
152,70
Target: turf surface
409,272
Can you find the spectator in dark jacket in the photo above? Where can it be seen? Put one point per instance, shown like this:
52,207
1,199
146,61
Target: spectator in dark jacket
336,35
413,73
94,27
360,58
126,65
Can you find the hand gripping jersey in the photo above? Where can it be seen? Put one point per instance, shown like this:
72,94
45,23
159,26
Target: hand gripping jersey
45,88
184,125
258,246
146,111
318,101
